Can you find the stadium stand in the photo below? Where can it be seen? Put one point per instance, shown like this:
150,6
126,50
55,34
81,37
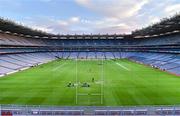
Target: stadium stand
157,46
14,62
160,52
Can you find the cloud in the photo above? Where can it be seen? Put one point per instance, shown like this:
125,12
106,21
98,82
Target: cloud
119,16
172,9
74,19
114,8
56,26
128,15
111,16
43,28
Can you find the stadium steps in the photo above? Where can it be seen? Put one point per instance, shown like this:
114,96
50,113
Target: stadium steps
24,62
4,70
173,67
8,67
12,61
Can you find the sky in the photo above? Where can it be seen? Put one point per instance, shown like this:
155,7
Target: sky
88,16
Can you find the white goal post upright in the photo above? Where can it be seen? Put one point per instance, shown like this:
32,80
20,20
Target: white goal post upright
100,81
76,84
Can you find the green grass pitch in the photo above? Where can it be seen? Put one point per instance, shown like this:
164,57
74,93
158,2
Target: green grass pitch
116,83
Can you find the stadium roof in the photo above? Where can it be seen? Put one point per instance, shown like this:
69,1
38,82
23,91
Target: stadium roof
12,27
165,26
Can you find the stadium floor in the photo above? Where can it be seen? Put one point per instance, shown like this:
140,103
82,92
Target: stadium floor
112,83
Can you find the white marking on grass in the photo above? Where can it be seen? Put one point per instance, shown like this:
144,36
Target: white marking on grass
95,94
123,66
82,94
59,67
98,82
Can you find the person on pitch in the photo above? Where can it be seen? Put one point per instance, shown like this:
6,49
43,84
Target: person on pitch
93,79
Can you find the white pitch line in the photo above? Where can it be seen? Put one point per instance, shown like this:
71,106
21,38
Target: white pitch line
123,66
59,67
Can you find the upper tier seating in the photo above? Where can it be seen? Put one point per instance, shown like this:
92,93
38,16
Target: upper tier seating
6,39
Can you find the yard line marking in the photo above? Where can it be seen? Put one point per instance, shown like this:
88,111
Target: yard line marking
123,66
59,67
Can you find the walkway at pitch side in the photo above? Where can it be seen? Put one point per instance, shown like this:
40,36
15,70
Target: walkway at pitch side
88,110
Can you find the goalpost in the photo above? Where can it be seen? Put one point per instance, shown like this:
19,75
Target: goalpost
76,84
86,97
102,84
